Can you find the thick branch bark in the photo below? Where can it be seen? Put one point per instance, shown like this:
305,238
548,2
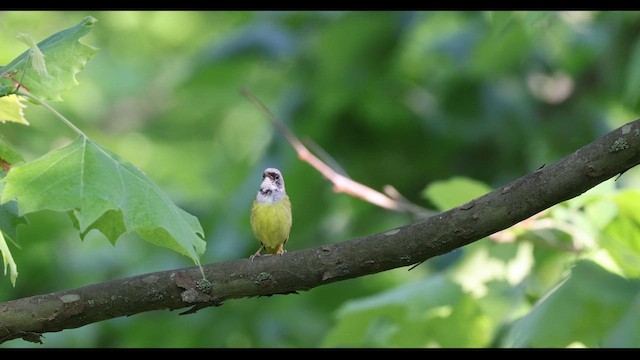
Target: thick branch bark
613,154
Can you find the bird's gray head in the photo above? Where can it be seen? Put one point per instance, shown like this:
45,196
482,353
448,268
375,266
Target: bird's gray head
272,188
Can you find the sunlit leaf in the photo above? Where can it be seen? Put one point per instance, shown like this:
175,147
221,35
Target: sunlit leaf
621,237
601,212
453,192
581,309
483,263
629,204
12,109
7,260
9,218
65,56
101,191
431,313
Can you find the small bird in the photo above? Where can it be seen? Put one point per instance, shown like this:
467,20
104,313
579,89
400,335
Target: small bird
271,214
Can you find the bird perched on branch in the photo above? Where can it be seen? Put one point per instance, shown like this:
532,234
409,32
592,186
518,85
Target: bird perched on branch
271,214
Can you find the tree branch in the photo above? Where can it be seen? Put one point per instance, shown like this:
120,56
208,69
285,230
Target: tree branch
603,159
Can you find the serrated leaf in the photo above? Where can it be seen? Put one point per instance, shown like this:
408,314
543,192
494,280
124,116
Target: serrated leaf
456,191
65,57
7,260
581,309
102,191
12,109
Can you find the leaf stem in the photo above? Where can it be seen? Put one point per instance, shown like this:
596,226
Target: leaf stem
50,108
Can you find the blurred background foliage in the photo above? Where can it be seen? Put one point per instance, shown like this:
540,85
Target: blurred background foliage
437,104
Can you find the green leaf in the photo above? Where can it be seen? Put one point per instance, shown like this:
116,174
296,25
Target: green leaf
101,191
626,333
434,313
456,191
5,89
37,57
483,263
12,109
9,220
629,204
581,309
7,260
621,236
65,56
8,157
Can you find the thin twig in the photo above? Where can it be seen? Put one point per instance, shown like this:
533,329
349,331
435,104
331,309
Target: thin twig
340,182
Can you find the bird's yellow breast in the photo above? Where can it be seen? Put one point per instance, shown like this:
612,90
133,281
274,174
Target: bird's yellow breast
271,223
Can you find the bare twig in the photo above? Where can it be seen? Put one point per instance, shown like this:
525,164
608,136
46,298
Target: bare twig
407,205
340,182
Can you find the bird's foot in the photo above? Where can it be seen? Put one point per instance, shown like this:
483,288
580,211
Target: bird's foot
254,255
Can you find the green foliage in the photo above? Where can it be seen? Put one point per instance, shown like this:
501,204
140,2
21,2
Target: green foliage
426,314
626,332
456,191
437,104
582,309
8,155
620,238
9,219
101,191
12,109
65,57
8,261
36,56
98,189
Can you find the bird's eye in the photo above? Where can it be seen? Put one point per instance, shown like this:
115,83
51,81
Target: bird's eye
275,175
